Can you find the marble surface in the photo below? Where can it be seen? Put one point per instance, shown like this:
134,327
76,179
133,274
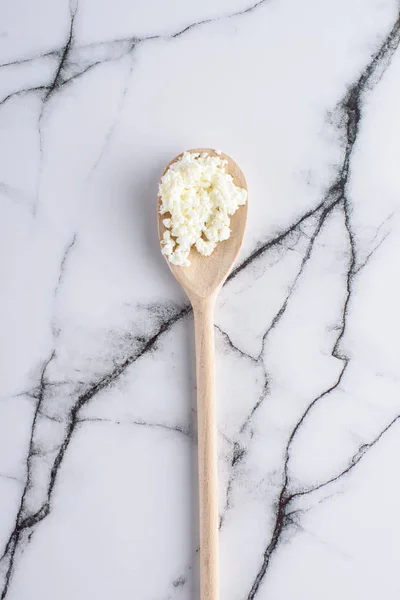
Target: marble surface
97,400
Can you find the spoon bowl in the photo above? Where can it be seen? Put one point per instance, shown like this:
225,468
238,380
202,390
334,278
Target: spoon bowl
206,274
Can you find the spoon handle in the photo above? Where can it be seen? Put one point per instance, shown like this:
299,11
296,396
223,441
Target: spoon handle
203,310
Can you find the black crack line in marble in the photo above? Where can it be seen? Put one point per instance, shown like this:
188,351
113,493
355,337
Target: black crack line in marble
64,263
330,202
285,517
76,76
216,19
234,348
260,400
322,212
325,212
41,89
108,136
23,523
356,458
50,417
58,77
293,520
56,330
184,430
61,78
34,393
63,81
135,39
238,454
51,89
276,241
371,254
322,215
10,477
22,61
350,109
375,248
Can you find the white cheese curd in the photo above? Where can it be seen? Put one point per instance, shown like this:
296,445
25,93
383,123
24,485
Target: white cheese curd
197,198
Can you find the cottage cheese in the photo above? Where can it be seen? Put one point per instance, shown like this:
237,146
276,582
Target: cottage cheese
197,198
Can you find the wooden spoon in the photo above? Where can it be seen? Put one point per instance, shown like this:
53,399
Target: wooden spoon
202,281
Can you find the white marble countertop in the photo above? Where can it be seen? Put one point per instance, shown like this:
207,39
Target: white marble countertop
97,399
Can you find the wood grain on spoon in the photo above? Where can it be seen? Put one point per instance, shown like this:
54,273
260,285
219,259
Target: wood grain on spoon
202,281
